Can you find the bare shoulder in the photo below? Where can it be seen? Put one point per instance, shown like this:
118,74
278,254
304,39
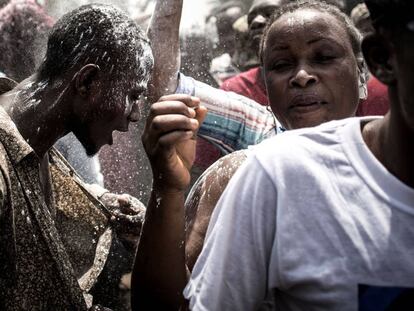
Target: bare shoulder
203,198
214,180
223,170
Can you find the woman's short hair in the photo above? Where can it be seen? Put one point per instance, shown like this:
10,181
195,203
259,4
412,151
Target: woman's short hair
354,35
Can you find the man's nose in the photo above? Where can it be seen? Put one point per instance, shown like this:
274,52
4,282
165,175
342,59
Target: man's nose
303,78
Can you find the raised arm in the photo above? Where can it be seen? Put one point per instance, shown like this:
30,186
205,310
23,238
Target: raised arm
159,273
234,122
163,33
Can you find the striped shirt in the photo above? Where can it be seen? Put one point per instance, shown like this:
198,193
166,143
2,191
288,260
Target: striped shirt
233,122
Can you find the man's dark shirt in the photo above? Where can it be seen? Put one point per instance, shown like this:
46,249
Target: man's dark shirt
35,270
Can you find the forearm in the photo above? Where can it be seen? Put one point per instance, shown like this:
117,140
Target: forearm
159,273
233,121
163,33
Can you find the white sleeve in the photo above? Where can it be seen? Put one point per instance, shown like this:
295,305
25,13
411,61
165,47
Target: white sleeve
232,270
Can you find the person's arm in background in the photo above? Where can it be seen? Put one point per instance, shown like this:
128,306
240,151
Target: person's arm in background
163,33
233,122
159,272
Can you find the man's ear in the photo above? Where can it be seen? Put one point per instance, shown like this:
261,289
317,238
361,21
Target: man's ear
85,79
377,53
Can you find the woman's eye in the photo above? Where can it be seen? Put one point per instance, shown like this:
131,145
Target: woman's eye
281,65
324,59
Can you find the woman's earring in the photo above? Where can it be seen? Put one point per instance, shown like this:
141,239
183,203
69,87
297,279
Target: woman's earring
268,108
362,86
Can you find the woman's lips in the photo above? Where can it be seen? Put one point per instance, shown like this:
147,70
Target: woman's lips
306,103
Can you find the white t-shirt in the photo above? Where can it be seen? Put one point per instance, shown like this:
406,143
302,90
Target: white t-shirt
314,218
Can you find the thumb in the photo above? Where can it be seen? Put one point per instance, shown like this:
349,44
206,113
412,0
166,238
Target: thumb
123,200
201,114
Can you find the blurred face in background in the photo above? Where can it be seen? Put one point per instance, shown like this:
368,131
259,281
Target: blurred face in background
224,21
259,14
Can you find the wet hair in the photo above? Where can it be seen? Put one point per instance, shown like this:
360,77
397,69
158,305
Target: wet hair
390,13
97,34
354,35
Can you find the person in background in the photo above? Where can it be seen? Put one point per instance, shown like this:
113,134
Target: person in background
325,221
251,83
223,17
310,79
377,103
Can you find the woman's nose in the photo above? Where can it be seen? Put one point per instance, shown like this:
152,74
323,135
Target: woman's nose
303,78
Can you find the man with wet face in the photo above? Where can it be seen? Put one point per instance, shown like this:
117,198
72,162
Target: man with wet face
97,65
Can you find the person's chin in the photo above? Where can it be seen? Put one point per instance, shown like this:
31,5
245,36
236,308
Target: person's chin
91,150
307,119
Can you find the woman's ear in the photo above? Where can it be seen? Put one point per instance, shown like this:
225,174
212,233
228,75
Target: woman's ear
377,53
85,78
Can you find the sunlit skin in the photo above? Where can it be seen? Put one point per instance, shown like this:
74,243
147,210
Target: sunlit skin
113,114
311,71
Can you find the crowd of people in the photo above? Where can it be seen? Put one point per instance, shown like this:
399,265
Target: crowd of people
282,176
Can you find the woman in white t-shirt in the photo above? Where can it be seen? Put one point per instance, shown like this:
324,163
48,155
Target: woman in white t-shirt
314,72
325,221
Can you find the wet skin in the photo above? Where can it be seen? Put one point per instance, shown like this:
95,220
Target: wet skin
113,113
311,72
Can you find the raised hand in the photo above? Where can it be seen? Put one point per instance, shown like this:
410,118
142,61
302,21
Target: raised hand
169,140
